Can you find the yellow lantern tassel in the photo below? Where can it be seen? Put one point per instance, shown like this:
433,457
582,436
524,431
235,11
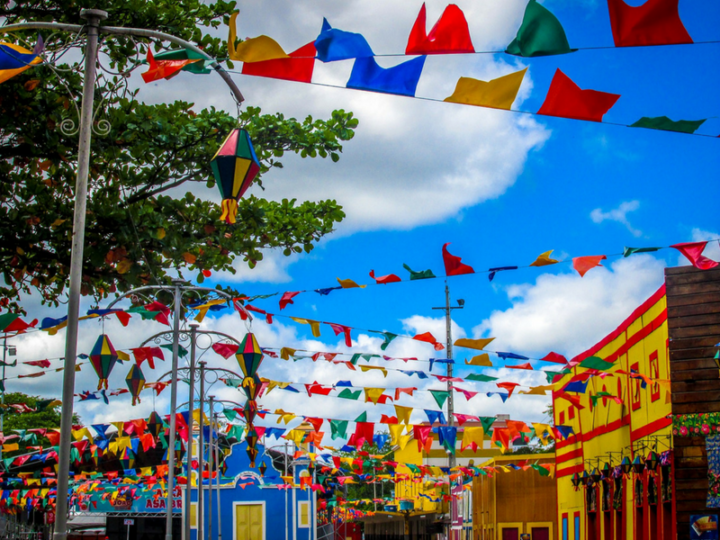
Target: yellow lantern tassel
229,211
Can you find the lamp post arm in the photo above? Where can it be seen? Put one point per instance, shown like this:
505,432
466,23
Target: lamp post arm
142,32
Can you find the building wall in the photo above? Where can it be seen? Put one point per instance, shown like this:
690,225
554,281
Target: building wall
607,432
693,298
517,499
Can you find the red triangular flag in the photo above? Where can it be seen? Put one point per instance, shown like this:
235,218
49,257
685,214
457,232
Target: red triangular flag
449,35
427,337
693,253
656,22
526,365
554,357
163,69
299,67
454,265
383,280
583,264
287,296
567,100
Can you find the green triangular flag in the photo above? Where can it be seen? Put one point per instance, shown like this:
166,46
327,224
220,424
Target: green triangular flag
425,274
440,396
182,351
480,377
144,313
665,124
487,422
338,429
349,394
540,34
550,375
631,251
355,358
201,67
387,337
599,395
595,362
362,417
230,414
6,319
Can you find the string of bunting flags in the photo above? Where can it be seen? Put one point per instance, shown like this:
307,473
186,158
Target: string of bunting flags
540,34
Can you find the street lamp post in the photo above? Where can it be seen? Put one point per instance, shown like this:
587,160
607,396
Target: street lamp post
93,30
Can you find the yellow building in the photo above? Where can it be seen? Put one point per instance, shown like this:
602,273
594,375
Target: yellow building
622,414
509,504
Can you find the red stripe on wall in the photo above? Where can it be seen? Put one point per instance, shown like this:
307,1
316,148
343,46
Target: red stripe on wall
650,428
568,456
569,470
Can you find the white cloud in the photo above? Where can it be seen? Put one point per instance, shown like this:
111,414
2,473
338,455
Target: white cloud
412,162
271,269
568,314
712,250
618,214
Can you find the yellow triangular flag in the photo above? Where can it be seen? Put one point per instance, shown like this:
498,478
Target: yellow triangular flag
349,284
286,353
122,356
395,433
369,368
544,259
480,360
478,344
373,394
498,93
256,49
314,325
403,414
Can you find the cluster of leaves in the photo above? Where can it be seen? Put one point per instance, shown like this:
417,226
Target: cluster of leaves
363,490
149,209
48,417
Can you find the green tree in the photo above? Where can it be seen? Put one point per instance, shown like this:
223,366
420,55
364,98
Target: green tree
136,231
43,416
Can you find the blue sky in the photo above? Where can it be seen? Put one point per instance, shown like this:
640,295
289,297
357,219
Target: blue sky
501,187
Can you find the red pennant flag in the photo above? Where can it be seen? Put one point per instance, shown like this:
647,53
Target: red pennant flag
575,400
384,280
385,419
526,365
554,357
567,100
147,353
299,67
288,296
316,422
583,264
454,265
408,391
449,35
316,388
427,337
421,434
656,22
163,69
509,386
226,350
693,253
462,418
340,329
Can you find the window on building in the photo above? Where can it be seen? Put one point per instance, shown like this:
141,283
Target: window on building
304,514
654,374
571,413
576,526
635,385
565,532
562,418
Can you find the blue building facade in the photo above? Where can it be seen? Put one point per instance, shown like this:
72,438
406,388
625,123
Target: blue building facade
253,507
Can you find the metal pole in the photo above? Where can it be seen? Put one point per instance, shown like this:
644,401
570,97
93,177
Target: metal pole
210,461
93,17
217,480
286,495
2,411
191,403
177,304
451,400
201,455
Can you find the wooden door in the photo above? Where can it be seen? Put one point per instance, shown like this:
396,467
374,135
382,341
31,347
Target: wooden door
510,534
249,522
540,533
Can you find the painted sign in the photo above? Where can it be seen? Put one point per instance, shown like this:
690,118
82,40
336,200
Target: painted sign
144,502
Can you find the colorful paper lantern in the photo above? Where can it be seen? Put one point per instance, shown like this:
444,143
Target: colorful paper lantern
135,381
235,166
103,358
638,465
626,465
249,356
595,475
262,468
251,439
651,461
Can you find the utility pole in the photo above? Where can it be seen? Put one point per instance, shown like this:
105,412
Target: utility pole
210,461
201,456
451,400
